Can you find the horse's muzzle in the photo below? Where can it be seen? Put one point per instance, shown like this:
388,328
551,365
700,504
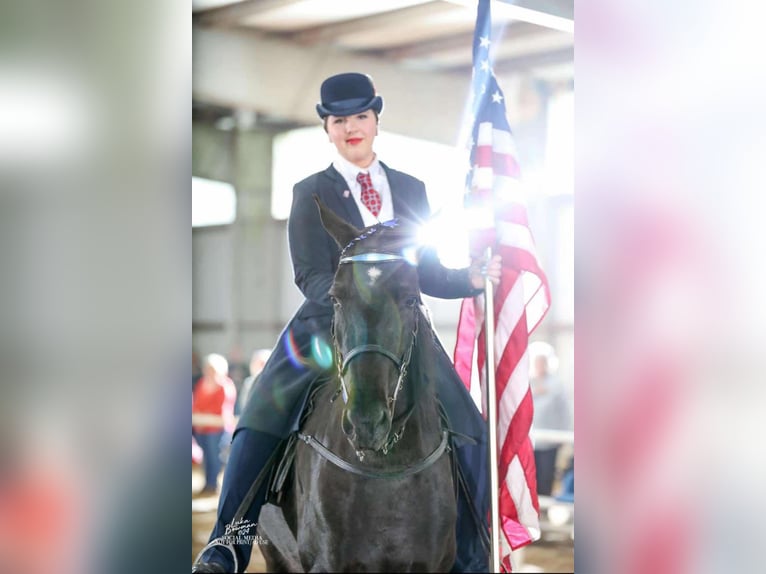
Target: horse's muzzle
367,430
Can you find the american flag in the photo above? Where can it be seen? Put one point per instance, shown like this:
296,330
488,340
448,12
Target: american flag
521,299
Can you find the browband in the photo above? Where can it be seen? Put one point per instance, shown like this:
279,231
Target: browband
371,258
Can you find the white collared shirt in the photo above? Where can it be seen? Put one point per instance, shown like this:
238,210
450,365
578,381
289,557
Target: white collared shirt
379,181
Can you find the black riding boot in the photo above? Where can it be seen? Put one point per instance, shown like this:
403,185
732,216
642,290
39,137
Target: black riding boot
249,453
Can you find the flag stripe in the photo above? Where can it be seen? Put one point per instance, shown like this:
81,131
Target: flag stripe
518,433
485,179
513,213
514,235
520,493
463,355
498,139
501,163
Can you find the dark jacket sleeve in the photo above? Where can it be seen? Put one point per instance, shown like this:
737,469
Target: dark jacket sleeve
439,281
311,247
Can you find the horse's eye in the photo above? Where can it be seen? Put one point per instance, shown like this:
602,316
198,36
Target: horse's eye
411,301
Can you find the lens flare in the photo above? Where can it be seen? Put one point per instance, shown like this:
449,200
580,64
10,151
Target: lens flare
321,352
293,350
410,255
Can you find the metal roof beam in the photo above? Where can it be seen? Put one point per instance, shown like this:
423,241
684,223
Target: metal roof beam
389,19
450,43
542,59
555,14
232,14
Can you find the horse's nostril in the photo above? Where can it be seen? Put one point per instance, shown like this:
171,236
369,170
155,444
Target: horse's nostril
366,430
357,419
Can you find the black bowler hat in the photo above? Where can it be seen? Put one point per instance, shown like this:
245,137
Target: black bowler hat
347,94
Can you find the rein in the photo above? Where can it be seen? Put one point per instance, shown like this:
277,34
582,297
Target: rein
330,456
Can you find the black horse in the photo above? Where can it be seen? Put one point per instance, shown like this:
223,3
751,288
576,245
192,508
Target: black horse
373,489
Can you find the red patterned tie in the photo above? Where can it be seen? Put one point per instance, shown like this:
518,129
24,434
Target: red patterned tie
370,197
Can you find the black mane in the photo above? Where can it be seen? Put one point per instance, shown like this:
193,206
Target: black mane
388,237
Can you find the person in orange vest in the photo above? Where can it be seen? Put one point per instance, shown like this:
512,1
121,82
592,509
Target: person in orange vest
213,421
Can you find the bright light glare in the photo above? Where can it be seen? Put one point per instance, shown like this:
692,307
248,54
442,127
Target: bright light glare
448,234
559,514
213,202
296,154
559,154
410,255
477,218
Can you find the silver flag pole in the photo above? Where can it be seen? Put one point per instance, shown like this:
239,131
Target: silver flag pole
489,365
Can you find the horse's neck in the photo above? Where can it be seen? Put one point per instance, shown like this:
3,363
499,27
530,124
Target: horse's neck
417,405
420,398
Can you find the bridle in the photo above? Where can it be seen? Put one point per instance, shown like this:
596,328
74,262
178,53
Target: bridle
402,365
341,362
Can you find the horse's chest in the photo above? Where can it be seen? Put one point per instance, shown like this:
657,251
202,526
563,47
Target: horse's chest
380,525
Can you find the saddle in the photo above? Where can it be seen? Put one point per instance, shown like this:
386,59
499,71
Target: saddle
281,477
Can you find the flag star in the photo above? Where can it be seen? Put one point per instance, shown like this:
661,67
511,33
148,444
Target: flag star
483,89
484,42
497,98
485,65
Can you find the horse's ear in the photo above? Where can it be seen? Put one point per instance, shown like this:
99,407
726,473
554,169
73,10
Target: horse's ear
341,231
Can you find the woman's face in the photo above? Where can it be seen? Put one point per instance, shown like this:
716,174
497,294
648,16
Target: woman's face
353,136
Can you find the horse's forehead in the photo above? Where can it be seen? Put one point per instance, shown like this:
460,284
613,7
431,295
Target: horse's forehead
372,278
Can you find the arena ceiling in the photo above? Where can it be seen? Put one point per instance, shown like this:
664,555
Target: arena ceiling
269,56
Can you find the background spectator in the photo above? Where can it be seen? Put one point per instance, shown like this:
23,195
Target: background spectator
551,411
213,416
257,361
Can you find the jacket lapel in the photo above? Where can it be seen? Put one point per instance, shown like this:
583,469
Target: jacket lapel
334,197
399,192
